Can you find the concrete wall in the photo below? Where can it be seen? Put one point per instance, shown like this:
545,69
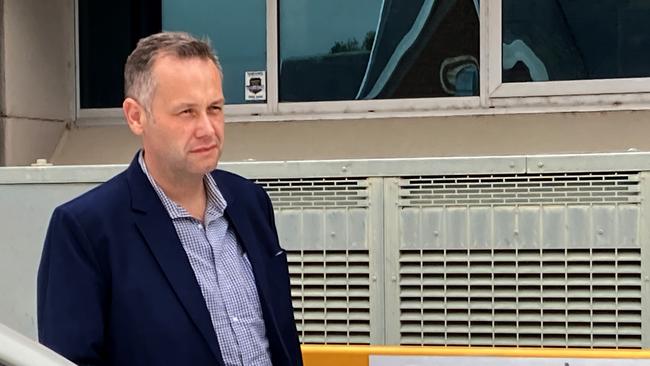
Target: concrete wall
25,214
391,137
38,59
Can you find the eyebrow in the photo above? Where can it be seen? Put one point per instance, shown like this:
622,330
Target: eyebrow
220,101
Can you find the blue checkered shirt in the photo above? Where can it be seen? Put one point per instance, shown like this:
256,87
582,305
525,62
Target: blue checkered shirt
224,275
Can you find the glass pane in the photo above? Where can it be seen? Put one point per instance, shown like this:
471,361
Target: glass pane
377,49
575,39
237,30
104,45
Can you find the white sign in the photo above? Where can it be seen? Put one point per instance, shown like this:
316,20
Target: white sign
379,360
255,88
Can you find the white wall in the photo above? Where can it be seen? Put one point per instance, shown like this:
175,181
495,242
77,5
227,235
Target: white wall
391,137
26,210
38,59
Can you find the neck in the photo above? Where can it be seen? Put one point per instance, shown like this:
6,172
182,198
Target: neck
184,189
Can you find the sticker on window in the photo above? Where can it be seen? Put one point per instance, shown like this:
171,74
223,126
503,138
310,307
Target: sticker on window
255,85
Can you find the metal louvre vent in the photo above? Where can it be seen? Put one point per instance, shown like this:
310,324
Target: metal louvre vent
316,192
331,295
497,189
545,297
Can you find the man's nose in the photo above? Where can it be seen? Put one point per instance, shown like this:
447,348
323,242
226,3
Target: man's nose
204,125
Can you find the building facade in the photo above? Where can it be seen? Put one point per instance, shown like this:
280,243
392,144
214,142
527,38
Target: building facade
369,79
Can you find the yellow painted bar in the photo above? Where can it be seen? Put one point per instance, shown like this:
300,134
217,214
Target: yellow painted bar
339,355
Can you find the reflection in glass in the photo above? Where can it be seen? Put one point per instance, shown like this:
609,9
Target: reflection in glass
377,49
237,30
575,39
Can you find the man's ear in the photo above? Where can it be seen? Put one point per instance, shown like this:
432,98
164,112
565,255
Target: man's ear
135,115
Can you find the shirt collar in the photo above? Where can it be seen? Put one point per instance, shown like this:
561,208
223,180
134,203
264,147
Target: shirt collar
216,204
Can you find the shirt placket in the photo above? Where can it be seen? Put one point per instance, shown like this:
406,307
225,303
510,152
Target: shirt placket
215,234
242,302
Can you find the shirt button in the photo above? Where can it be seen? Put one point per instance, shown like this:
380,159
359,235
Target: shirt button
235,319
199,226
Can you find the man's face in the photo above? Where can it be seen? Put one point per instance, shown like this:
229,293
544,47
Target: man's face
183,134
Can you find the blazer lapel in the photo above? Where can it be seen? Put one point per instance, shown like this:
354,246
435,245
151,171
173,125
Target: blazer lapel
238,218
159,233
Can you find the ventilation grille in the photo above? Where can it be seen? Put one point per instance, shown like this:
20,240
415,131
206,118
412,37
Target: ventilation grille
331,295
559,298
316,192
499,189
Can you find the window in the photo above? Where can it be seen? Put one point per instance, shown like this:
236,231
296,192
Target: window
374,49
336,56
593,49
237,29
575,40
108,32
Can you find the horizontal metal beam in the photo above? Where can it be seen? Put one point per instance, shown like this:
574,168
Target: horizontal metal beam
516,164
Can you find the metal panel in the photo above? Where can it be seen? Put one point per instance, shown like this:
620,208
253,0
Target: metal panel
553,228
378,277
391,243
559,298
522,227
452,251
622,162
505,226
379,167
643,233
613,162
520,189
325,224
24,216
523,260
59,174
316,192
331,295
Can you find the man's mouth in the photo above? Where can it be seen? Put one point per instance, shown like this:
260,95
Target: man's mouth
202,149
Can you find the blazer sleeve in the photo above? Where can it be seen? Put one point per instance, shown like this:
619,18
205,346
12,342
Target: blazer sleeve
71,293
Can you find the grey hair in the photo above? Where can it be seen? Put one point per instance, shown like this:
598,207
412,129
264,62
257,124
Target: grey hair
139,82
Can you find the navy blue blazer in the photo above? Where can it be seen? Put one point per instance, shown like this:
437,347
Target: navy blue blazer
115,286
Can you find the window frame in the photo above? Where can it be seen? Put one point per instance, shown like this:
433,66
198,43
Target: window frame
495,96
573,89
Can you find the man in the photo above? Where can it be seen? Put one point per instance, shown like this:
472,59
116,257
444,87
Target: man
169,262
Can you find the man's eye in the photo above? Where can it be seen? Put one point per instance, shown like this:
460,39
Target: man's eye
186,111
215,108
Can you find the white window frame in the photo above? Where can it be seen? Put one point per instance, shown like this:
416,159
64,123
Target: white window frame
495,97
574,92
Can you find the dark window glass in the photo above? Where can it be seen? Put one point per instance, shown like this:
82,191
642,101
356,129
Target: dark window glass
575,39
108,32
377,49
237,30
